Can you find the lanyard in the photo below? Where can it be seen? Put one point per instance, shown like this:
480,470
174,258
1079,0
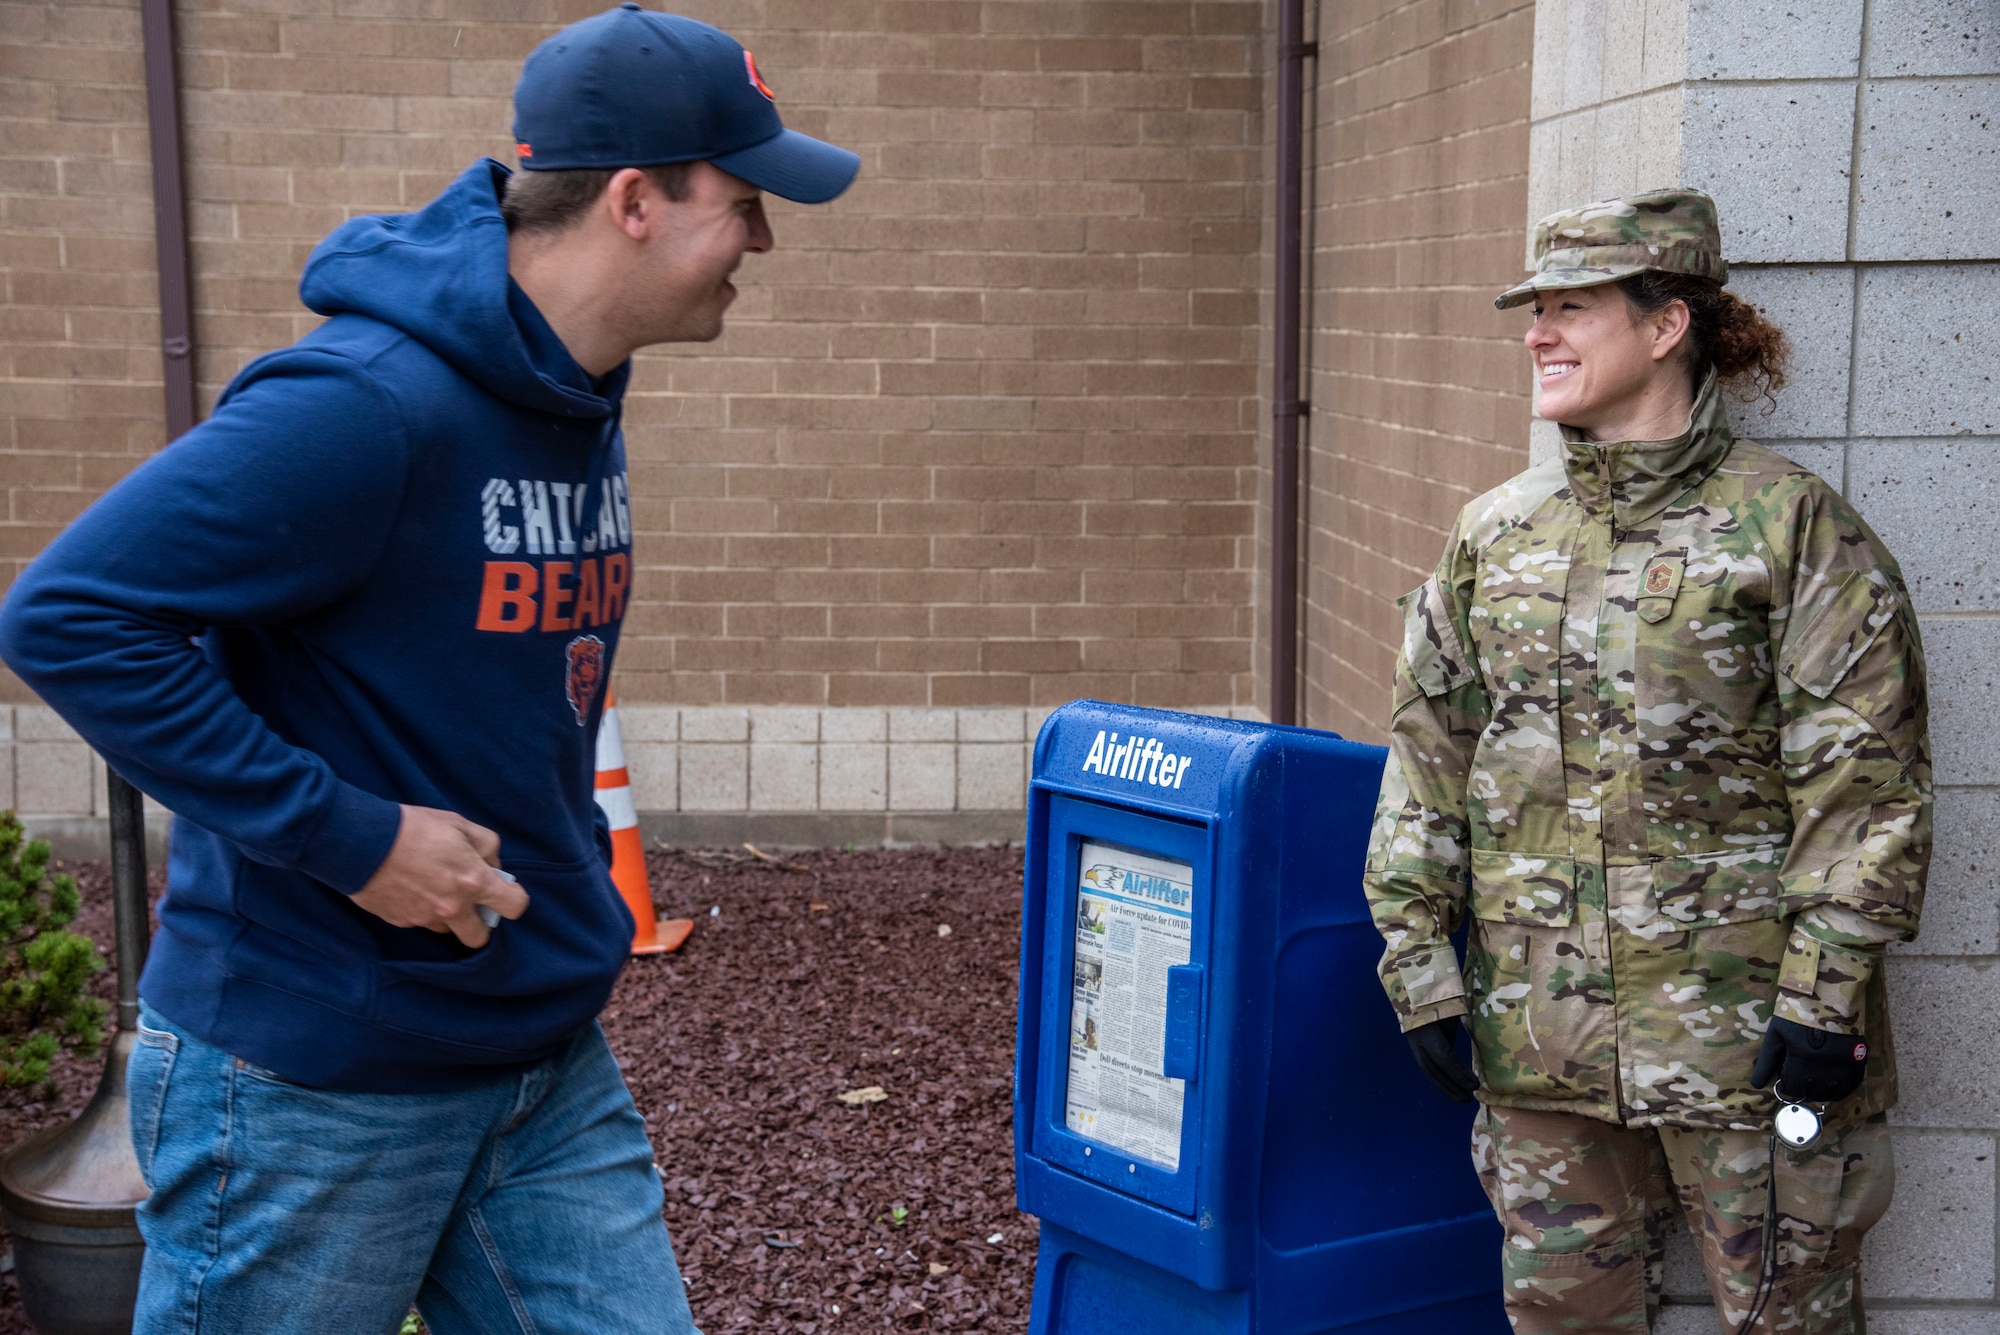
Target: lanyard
1798,1126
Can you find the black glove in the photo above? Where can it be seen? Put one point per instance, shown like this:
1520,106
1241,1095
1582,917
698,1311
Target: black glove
1810,1064
1432,1046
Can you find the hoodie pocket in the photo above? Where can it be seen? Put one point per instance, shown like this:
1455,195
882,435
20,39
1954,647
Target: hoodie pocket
524,987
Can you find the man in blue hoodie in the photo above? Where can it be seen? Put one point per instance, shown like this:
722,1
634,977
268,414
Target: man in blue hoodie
354,630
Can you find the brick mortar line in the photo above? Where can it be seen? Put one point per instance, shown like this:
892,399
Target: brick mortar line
1425,432
1418,145
1448,40
1402,105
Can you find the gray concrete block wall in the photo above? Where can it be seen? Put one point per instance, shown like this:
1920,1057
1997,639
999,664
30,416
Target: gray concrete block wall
844,762
797,776
1795,140
1853,148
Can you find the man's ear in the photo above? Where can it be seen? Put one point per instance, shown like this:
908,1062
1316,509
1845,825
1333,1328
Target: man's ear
628,202
1670,327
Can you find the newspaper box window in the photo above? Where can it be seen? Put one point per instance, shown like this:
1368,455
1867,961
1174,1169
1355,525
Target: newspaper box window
1206,1069
1134,922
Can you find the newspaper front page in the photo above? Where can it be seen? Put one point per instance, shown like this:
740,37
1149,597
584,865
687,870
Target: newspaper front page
1134,919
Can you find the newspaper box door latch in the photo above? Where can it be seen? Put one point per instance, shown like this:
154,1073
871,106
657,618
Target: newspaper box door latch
1181,1053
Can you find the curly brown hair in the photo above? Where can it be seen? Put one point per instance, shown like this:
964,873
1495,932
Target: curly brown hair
1726,334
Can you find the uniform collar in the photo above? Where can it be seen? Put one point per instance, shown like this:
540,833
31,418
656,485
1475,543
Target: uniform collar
1636,479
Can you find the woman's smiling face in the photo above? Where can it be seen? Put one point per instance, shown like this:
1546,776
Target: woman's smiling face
1597,362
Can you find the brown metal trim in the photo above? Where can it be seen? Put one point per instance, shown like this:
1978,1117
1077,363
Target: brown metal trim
1286,406
163,124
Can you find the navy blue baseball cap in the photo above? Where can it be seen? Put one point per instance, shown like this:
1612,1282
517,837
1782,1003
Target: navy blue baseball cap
635,88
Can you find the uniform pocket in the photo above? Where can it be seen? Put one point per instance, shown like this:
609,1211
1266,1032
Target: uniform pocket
1538,1029
147,1073
1533,890
1660,584
1715,889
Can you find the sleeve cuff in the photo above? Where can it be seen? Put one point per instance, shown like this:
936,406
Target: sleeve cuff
1823,986
1423,978
1424,1015
353,840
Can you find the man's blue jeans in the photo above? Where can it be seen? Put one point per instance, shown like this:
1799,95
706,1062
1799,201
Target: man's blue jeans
529,1205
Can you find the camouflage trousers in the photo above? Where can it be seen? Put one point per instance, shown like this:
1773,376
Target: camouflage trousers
1587,1207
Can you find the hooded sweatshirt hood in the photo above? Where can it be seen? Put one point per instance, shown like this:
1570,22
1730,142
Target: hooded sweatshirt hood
440,276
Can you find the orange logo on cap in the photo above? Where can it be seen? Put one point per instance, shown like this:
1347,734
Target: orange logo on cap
756,79
523,151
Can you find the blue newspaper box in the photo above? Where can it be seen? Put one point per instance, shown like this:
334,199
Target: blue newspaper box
1215,1116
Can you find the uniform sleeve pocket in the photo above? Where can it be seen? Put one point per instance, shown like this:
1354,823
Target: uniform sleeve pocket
1832,629
1431,644
1525,889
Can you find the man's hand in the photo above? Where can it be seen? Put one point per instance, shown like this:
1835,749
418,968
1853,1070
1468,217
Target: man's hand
440,869
1432,1046
1810,1064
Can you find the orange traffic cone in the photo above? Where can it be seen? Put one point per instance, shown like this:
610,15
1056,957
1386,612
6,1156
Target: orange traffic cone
628,852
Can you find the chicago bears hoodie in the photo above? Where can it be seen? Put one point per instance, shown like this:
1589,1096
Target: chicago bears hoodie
390,568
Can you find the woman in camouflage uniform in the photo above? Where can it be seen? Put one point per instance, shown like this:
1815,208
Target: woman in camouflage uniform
1660,735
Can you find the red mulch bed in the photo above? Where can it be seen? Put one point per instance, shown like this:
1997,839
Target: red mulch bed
822,973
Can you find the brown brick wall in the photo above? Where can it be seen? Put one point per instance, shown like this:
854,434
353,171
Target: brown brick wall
1420,152
983,432
79,333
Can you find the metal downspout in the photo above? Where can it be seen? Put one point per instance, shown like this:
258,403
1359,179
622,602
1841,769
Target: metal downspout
170,245
163,126
163,131
1286,406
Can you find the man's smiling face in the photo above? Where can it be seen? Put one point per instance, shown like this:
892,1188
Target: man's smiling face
681,289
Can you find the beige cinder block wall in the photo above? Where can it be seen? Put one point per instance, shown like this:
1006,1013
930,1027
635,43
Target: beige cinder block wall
1419,160
1850,147
980,439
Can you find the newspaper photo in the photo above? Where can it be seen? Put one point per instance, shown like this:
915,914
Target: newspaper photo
1134,919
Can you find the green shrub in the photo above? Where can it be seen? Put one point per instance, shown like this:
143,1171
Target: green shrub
45,968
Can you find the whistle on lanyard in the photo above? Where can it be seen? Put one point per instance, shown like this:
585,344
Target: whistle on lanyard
1796,1124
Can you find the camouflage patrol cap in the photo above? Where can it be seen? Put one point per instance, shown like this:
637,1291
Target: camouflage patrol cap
1671,230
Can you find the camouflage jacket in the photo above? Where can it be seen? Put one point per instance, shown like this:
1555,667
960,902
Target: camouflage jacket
1660,730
